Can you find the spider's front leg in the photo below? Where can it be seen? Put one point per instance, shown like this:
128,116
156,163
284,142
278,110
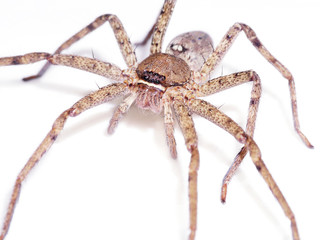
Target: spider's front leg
83,63
98,97
160,26
122,38
121,110
213,114
187,127
225,82
169,128
225,45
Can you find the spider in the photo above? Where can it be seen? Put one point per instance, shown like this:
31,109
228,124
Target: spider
170,83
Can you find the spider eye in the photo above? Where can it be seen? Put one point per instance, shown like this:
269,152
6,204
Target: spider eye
152,77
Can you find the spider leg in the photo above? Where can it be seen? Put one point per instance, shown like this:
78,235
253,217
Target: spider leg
161,26
105,69
212,114
187,127
224,46
83,63
24,59
120,111
146,38
122,38
93,99
169,128
225,82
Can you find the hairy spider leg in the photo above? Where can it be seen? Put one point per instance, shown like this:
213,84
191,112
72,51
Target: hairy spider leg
186,124
98,97
213,114
105,69
215,59
122,38
222,83
227,42
161,25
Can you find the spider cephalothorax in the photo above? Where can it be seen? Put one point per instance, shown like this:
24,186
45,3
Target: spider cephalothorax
164,69
169,83
157,73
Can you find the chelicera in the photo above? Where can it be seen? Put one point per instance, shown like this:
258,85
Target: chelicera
170,83
156,74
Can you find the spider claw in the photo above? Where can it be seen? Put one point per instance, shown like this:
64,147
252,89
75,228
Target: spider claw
31,77
111,127
41,72
308,144
305,140
223,193
173,153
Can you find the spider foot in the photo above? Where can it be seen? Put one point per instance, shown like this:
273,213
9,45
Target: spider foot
305,139
223,193
192,235
40,73
26,79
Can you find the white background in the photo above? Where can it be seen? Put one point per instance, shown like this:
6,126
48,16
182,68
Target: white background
95,186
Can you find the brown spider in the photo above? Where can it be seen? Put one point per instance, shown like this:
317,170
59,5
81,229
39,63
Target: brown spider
171,83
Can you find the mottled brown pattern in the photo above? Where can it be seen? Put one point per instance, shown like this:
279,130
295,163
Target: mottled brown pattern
163,82
169,128
121,111
24,59
123,40
105,69
224,46
210,112
161,26
221,83
160,64
186,124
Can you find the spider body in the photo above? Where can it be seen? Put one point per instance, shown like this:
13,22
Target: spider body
170,83
184,55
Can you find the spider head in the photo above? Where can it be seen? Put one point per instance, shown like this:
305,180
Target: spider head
163,70
157,73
